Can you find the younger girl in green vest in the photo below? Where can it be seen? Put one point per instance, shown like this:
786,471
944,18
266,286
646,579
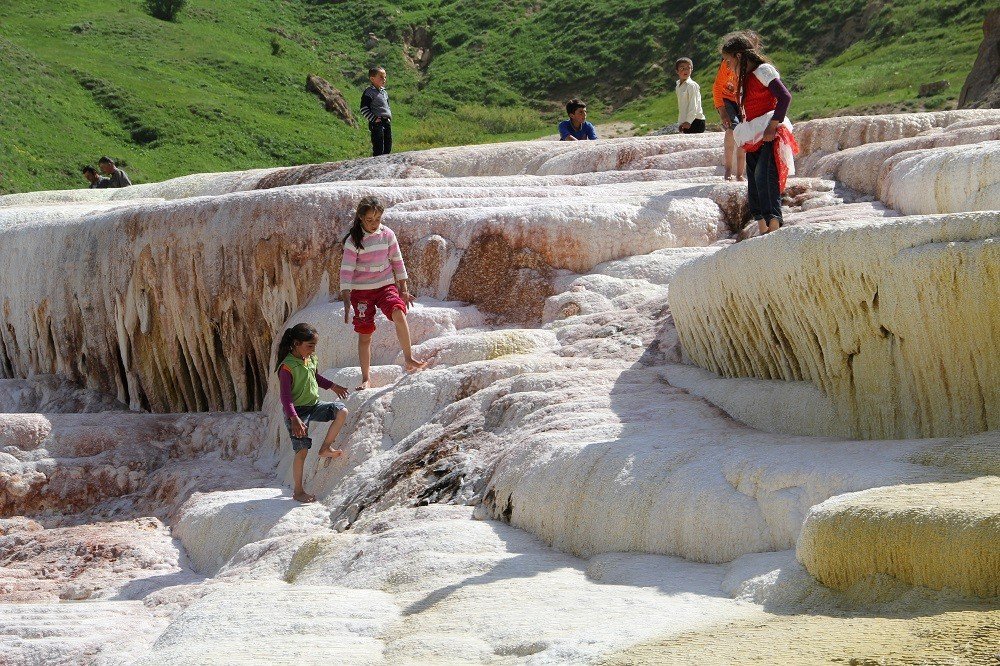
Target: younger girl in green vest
300,384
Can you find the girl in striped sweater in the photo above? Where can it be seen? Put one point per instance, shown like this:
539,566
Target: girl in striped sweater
373,276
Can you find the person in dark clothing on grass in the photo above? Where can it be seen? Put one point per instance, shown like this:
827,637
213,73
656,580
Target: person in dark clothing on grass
96,182
116,176
375,109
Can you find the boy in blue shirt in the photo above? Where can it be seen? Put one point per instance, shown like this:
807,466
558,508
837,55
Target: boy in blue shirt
576,128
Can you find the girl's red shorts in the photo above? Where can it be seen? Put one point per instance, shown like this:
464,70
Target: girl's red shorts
366,301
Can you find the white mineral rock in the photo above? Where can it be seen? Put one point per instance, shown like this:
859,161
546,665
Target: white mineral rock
863,311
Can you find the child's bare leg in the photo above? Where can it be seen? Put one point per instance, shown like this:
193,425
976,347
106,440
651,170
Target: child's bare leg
300,494
365,356
730,144
327,450
762,226
773,225
741,163
403,333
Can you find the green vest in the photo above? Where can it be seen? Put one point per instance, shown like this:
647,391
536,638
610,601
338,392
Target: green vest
305,388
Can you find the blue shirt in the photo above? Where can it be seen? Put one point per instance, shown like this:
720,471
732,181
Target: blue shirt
586,130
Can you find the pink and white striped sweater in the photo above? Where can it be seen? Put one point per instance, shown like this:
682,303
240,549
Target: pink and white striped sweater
379,264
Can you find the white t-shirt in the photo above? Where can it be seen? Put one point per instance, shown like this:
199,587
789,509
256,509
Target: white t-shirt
689,102
766,73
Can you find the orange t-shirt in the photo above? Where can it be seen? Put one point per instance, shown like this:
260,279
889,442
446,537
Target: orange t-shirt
724,86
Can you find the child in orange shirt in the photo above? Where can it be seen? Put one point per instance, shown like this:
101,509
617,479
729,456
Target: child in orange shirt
724,99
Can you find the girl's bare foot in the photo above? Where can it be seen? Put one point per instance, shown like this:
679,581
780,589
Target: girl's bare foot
412,365
329,452
740,177
304,497
365,383
728,176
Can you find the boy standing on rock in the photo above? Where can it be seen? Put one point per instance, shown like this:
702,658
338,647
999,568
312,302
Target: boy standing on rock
690,116
375,109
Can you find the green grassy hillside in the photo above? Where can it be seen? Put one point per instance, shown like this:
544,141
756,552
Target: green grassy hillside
223,86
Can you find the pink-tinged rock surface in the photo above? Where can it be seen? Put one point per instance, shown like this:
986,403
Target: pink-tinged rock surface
113,560
562,288
70,462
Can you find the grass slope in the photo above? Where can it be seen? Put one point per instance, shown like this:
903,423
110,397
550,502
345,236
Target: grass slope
207,93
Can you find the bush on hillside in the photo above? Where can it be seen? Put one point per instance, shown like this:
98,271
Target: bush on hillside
165,9
496,120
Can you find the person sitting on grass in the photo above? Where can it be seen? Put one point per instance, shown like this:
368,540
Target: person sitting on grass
576,128
96,182
690,116
116,176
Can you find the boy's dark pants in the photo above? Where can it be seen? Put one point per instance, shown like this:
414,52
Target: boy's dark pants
381,137
697,127
763,197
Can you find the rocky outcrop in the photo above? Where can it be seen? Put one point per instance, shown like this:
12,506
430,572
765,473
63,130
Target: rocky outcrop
885,349
558,451
184,296
97,561
50,394
117,462
333,99
938,535
819,138
982,87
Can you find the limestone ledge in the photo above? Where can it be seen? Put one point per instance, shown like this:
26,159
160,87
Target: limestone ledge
64,463
938,535
946,170
821,137
171,306
897,321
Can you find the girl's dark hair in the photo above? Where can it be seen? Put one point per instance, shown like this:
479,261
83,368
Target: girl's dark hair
299,333
745,46
357,232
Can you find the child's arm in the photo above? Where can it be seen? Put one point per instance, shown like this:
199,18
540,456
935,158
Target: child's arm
591,131
784,98
285,398
696,107
682,110
396,259
347,266
366,106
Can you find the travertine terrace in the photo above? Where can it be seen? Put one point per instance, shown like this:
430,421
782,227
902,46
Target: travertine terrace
643,430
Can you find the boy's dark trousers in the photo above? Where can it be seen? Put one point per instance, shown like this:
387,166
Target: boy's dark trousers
381,137
697,127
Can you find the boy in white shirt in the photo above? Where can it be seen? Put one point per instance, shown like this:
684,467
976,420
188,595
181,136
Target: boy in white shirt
690,116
